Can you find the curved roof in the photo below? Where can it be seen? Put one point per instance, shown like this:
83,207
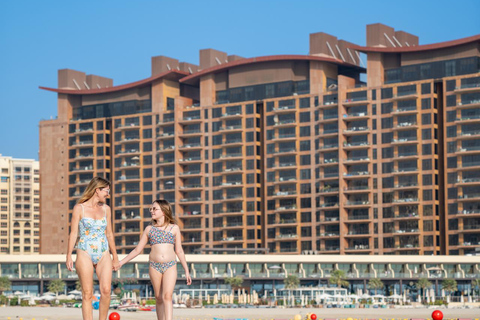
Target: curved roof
246,61
171,75
425,47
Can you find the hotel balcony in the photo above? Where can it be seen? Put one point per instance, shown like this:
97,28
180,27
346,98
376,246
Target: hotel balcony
412,185
468,104
329,147
405,125
191,133
469,119
468,135
355,102
357,160
284,137
165,135
355,174
406,110
405,171
468,213
231,128
467,88
403,141
405,96
408,155
231,115
328,190
284,109
356,189
357,204
329,118
192,119
469,196
407,216
191,146
353,218
355,116
132,125
191,160
356,130
329,133
329,104
356,145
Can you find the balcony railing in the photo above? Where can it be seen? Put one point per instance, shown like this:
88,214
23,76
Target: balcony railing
405,200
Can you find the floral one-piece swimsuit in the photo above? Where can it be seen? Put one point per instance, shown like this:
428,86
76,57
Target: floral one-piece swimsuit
92,236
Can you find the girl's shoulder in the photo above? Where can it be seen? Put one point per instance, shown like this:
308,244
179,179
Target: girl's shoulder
174,227
148,228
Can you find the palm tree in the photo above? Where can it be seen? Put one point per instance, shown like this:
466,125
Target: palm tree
337,277
475,285
5,284
56,286
375,284
423,284
234,282
449,285
291,282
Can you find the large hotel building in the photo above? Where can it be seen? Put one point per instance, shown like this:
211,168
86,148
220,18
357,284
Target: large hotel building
19,206
288,154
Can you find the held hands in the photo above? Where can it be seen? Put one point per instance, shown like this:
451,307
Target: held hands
116,264
189,279
69,263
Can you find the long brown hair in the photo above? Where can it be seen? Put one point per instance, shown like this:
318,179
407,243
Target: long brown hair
95,183
167,211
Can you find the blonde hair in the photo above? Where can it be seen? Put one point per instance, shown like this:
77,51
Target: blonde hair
95,183
167,211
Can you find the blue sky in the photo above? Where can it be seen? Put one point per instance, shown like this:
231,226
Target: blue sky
116,39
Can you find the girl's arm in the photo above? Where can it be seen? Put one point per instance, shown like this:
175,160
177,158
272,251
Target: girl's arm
72,238
138,249
111,238
181,254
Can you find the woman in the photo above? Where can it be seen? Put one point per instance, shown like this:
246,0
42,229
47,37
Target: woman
93,217
166,242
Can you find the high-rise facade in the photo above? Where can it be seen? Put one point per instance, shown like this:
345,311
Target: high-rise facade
19,206
292,153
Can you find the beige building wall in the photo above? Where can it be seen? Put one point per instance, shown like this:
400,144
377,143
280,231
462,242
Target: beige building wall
20,206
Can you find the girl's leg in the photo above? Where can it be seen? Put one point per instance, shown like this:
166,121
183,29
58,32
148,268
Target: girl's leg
104,274
168,285
156,279
84,267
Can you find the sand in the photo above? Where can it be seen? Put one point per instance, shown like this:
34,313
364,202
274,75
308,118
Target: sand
59,313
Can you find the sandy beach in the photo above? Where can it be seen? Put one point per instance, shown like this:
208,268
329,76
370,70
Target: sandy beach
59,313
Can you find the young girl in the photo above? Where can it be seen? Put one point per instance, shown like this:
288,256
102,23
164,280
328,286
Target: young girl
166,245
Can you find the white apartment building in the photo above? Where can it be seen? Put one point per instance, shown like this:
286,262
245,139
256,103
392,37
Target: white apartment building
19,206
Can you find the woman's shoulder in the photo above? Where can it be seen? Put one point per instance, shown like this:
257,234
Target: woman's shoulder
148,228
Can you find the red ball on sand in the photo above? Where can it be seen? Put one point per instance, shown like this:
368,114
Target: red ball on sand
313,316
114,316
437,315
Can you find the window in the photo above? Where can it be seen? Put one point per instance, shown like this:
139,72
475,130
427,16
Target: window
426,118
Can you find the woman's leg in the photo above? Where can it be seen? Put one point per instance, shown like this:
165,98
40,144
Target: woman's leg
84,267
156,279
168,285
104,274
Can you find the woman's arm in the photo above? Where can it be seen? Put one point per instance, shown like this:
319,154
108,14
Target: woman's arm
181,254
138,249
72,238
111,238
